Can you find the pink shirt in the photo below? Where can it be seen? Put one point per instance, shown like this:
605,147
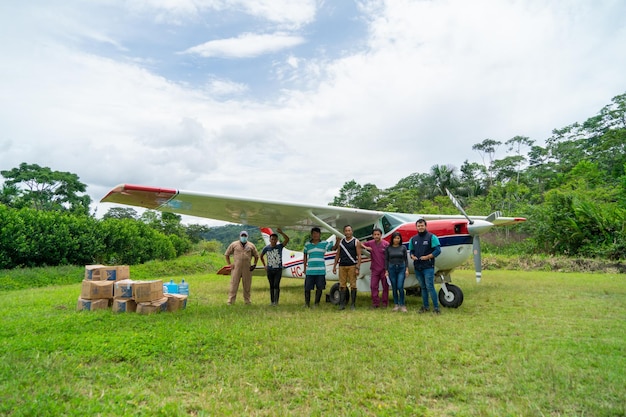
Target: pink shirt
377,252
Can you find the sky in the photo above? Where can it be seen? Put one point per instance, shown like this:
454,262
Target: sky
290,99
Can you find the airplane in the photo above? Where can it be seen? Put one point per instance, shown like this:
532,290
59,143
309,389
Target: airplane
459,235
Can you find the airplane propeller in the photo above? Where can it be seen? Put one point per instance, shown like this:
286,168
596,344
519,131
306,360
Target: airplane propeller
475,228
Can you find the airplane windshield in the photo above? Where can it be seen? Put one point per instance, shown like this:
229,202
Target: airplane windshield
390,222
364,233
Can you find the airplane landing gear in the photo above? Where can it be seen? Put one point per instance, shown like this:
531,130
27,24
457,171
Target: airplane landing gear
450,296
334,296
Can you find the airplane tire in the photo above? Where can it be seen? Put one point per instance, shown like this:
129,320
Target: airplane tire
454,298
413,292
334,294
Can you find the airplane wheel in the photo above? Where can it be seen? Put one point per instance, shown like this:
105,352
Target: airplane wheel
414,291
334,294
454,298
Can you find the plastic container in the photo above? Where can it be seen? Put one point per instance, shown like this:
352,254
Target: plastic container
172,287
183,288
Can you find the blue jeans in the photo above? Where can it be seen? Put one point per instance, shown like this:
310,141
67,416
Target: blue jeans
397,274
426,277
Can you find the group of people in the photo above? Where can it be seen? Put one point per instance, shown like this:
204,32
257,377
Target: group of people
389,266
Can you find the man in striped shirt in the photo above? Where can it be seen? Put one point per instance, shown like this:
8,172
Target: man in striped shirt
315,266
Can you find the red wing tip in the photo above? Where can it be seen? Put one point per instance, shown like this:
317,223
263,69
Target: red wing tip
225,270
126,189
145,188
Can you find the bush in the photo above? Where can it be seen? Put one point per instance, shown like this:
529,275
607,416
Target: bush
129,241
210,246
36,238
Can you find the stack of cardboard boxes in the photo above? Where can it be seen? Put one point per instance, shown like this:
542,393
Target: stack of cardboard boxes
111,286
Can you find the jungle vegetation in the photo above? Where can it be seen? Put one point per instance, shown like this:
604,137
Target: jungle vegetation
572,189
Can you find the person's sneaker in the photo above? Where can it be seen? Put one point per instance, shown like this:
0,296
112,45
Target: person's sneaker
436,311
422,310
403,309
396,308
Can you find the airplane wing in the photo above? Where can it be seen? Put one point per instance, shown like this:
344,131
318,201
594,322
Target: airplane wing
256,212
498,221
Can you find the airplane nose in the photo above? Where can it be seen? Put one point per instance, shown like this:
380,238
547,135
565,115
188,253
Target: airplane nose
479,227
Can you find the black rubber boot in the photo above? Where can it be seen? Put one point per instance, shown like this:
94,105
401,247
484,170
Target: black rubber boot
353,296
307,299
318,297
342,299
272,296
276,295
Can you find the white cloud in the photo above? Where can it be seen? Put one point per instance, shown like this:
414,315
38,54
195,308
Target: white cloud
287,13
433,79
247,45
222,87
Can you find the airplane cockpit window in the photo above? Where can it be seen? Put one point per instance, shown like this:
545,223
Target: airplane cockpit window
389,223
364,233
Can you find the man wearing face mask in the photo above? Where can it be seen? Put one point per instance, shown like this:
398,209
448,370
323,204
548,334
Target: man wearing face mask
241,269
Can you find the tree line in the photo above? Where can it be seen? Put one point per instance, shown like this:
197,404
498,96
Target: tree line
572,190
45,221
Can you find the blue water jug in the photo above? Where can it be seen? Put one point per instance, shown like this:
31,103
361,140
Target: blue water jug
172,287
183,288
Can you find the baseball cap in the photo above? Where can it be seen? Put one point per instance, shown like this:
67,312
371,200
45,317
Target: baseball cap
243,233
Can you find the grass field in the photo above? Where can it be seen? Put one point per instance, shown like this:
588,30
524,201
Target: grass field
522,344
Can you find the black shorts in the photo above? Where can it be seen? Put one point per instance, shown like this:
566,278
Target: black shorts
312,281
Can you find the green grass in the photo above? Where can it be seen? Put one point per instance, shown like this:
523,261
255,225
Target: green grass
23,278
522,344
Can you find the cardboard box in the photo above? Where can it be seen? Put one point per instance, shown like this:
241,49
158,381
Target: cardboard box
123,272
91,305
144,291
124,306
123,289
93,290
89,271
100,273
152,307
176,302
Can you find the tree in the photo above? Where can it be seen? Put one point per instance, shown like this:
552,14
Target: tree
9,194
472,178
515,144
120,213
507,168
354,195
406,196
44,189
442,177
487,148
197,232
